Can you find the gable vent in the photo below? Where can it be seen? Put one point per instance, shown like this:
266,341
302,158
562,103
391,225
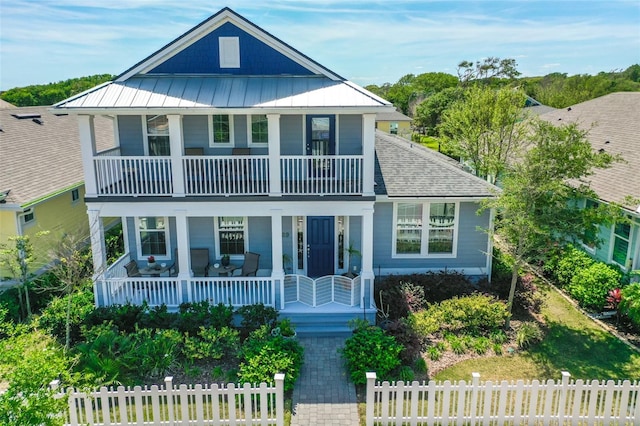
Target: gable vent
229,50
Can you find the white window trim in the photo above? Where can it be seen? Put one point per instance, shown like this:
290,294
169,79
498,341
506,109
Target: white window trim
146,134
229,52
294,225
347,240
77,200
167,240
590,250
23,215
212,143
250,141
216,232
612,246
424,243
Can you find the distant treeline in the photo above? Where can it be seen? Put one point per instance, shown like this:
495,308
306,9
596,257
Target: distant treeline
48,94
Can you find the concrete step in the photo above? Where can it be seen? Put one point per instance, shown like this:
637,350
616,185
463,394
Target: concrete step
324,323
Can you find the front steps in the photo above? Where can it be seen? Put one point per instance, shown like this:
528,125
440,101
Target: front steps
327,320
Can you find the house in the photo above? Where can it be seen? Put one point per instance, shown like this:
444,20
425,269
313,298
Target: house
613,122
41,186
229,141
394,123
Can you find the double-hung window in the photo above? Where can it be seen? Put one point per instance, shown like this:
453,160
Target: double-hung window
425,229
590,234
157,133
153,237
231,235
258,130
221,130
620,244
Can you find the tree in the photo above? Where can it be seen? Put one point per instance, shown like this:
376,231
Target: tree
489,68
429,113
485,128
47,94
18,257
537,207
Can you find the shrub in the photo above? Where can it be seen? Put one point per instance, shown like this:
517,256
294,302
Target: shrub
590,286
406,374
481,345
571,262
211,343
528,333
267,355
155,352
476,314
406,335
254,316
54,316
434,353
370,349
630,304
123,317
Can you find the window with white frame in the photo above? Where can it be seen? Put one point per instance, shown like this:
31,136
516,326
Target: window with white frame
28,216
153,237
425,229
258,129
75,195
620,246
393,128
591,233
221,130
231,235
157,133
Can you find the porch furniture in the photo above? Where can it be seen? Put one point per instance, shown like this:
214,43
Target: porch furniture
199,262
194,151
154,272
250,266
222,271
132,269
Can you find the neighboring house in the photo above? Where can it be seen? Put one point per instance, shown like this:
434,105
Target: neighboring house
230,141
613,122
41,177
394,123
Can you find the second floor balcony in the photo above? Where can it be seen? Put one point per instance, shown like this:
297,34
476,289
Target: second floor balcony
226,175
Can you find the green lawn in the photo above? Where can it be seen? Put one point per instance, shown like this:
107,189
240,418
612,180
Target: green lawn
573,343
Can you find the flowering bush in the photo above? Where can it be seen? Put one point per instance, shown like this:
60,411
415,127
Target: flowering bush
151,259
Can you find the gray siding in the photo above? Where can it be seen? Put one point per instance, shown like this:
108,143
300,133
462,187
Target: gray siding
355,237
195,132
472,242
260,239
201,235
240,131
350,135
130,134
291,135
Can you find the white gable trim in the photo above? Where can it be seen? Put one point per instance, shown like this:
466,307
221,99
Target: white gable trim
205,28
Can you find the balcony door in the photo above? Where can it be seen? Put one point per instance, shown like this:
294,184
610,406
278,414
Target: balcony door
321,141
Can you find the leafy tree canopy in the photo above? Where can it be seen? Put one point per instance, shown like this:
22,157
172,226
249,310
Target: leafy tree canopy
49,94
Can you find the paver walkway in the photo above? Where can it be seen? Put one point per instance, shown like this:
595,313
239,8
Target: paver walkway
323,394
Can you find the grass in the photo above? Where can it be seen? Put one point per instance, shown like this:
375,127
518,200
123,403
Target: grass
572,343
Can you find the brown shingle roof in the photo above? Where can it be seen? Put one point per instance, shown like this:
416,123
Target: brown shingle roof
616,129
41,159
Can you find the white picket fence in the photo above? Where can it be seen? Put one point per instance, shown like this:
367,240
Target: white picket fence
513,403
177,405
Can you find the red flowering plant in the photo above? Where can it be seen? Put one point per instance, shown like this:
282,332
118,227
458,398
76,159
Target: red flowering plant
151,259
613,299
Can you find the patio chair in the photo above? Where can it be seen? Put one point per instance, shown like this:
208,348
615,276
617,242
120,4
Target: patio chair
200,262
250,266
132,269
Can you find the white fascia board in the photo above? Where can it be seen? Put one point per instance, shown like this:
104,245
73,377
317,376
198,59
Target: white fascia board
231,208
474,199
230,111
225,17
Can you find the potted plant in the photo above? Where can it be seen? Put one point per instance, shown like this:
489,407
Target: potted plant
352,251
151,262
286,262
225,259
285,329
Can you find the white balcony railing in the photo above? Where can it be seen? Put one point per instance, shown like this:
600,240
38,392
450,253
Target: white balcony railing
228,175
133,175
322,174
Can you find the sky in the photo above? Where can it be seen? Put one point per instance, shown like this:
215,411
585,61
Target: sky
367,42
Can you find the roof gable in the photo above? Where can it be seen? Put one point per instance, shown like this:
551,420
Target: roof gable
198,52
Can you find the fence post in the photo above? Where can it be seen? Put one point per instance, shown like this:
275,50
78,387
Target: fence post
475,383
168,387
279,379
562,401
371,396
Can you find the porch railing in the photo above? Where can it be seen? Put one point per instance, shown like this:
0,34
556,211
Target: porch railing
133,175
235,291
322,174
135,290
228,175
321,291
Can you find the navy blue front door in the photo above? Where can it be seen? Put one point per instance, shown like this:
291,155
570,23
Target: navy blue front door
320,246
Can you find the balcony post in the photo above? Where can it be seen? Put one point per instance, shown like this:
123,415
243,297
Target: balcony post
175,141
366,252
98,249
368,153
88,150
277,272
275,185
182,236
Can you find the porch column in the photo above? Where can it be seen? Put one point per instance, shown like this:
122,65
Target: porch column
98,249
273,124
87,150
175,142
368,152
366,251
182,237
277,273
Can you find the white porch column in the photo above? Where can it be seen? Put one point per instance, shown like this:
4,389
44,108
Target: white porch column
175,141
367,256
182,236
98,249
277,273
88,150
368,152
273,123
